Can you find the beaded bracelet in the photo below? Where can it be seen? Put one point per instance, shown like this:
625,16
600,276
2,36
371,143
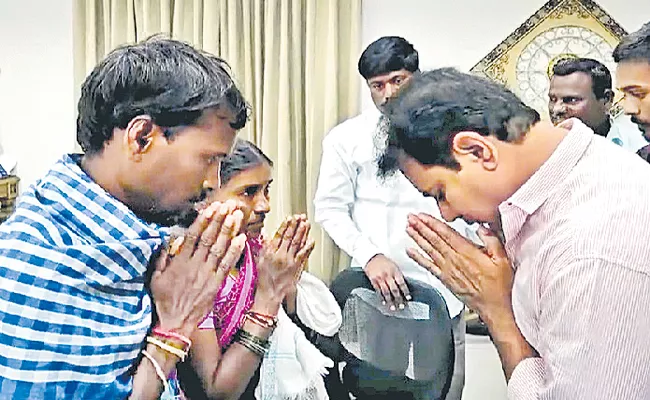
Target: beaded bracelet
168,348
158,369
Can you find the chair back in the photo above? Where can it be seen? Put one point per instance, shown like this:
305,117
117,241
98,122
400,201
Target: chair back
402,351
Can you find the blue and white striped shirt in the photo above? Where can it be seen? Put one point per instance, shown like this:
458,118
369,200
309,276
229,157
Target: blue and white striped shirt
73,307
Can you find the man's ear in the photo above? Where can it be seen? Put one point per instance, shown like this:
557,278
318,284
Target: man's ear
473,147
139,135
608,97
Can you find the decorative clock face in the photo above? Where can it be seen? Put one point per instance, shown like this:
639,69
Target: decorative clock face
535,63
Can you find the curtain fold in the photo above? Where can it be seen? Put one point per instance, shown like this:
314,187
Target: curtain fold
295,61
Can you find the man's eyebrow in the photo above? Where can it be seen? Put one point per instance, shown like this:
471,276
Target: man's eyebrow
628,87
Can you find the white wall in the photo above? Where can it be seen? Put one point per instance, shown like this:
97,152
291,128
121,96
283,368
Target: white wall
459,33
36,83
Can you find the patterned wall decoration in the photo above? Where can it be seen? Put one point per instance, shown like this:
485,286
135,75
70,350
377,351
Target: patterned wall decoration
559,29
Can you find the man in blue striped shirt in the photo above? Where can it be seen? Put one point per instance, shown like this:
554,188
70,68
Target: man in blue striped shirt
76,294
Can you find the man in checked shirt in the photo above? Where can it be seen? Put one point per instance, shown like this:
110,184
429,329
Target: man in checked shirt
562,295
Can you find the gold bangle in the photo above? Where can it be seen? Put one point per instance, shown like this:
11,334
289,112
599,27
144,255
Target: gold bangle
166,347
171,337
158,369
171,342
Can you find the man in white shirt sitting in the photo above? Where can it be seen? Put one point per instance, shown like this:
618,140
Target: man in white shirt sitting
582,88
366,217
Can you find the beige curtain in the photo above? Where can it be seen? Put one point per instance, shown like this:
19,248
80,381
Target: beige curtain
295,60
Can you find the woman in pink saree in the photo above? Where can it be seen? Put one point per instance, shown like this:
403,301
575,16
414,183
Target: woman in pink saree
255,300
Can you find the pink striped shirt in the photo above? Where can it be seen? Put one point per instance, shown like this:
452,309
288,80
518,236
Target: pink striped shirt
577,235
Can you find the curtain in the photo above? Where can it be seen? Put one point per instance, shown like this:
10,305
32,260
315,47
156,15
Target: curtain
295,61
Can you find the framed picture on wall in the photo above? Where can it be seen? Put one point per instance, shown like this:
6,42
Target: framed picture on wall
560,29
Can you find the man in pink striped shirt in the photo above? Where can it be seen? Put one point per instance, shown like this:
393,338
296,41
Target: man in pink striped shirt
565,297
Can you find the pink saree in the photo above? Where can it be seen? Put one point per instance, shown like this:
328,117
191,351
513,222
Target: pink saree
235,297
232,302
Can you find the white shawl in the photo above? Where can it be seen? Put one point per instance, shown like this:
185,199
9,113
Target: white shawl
293,369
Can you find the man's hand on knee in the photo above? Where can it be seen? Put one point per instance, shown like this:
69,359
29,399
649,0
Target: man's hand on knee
388,281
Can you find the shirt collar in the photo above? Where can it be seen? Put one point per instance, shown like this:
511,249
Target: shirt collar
106,210
372,113
537,189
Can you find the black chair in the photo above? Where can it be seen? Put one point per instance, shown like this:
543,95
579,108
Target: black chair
405,354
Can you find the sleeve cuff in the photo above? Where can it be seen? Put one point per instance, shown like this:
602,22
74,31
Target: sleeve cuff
364,253
527,380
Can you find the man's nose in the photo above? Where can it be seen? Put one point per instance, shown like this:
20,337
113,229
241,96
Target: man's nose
389,91
630,107
213,179
558,108
447,213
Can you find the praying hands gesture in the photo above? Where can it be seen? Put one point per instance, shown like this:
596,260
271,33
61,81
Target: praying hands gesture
281,262
184,283
481,277
190,272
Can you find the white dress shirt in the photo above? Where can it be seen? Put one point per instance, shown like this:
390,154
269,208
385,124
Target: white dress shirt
626,134
365,216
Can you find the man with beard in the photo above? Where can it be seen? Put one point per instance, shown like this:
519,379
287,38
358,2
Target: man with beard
563,273
582,88
360,212
633,79
155,120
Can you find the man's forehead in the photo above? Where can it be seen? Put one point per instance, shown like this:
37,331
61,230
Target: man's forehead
577,81
221,113
633,73
388,76
409,166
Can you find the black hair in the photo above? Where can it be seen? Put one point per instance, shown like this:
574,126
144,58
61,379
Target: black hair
244,156
635,46
166,79
601,78
437,104
388,54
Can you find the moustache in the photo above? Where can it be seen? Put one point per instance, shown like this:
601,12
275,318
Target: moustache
637,121
557,118
643,126
199,201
